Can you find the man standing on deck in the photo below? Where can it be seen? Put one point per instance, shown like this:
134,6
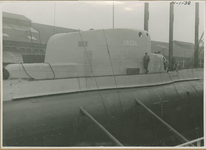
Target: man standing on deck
146,60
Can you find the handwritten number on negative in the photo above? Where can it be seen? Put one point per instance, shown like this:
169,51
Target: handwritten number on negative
182,2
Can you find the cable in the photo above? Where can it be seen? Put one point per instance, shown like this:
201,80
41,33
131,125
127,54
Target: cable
26,71
34,78
51,69
201,74
93,73
113,71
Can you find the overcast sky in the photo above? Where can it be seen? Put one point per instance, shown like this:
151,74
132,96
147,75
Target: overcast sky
84,15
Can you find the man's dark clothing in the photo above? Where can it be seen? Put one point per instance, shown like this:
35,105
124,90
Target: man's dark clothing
146,60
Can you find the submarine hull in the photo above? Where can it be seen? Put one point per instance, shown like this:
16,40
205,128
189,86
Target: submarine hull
101,72
56,120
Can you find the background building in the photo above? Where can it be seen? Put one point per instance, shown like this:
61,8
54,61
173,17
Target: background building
183,52
25,41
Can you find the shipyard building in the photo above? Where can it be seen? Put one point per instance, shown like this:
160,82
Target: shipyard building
25,41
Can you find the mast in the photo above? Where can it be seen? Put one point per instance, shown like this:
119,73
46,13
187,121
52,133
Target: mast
196,48
54,17
171,26
31,42
146,16
113,15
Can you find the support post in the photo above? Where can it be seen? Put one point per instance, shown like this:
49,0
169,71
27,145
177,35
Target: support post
162,121
31,41
101,127
113,16
198,143
146,16
196,35
171,26
191,142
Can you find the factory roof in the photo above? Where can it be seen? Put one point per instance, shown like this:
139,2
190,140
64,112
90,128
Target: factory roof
46,31
180,49
28,33
15,16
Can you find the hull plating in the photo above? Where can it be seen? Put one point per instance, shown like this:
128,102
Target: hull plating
57,121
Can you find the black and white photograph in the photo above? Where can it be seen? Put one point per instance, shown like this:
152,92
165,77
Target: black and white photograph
102,74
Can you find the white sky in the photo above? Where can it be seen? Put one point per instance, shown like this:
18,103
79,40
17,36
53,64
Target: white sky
127,14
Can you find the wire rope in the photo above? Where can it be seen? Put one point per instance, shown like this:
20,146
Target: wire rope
26,72
93,72
51,69
112,70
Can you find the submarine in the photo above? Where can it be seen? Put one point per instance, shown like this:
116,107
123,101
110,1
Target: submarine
93,90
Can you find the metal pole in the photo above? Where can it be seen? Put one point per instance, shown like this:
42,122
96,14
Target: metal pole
171,24
54,17
146,16
31,42
113,14
196,35
39,37
191,142
101,127
162,121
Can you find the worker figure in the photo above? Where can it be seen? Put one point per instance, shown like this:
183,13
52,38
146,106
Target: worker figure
172,63
166,64
146,60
